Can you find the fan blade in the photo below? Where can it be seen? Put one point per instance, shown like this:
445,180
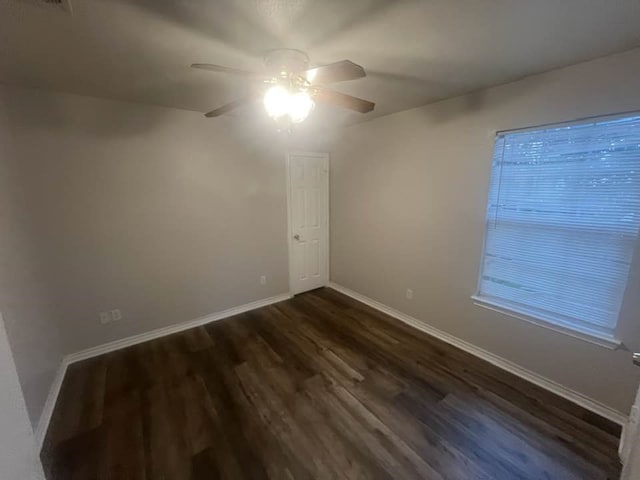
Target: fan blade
335,72
219,68
229,106
345,101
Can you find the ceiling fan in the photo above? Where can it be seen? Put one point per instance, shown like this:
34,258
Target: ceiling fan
289,88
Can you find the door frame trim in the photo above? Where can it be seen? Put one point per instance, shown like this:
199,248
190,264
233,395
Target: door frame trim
324,155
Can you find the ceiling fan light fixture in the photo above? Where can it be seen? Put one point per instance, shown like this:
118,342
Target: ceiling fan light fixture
300,106
278,102
292,88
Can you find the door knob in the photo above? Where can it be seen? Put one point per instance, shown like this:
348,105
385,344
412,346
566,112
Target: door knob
297,237
636,359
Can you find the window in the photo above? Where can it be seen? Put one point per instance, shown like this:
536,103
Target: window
562,223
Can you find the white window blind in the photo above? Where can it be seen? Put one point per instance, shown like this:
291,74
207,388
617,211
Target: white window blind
562,222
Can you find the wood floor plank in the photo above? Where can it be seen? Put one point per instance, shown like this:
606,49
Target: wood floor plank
442,455
123,453
316,387
204,466
198,339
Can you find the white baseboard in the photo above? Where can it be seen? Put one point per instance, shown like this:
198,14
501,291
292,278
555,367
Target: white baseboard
179,327
571,395
50,404
54,391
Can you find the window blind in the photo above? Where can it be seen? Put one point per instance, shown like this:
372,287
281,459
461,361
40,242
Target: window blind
562,222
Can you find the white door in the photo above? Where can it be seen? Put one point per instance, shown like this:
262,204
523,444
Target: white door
630,445
308,221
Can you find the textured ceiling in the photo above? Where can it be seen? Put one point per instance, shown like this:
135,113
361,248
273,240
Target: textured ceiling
415,51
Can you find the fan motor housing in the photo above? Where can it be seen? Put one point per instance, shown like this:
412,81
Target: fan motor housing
286,61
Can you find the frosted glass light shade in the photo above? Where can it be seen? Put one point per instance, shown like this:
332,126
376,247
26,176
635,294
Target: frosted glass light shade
278,102
300,106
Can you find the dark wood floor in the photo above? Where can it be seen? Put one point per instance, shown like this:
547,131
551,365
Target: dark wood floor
319,386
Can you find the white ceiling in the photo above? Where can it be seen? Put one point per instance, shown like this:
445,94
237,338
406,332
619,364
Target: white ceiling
415,51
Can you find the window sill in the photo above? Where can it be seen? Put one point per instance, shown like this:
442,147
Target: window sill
597,338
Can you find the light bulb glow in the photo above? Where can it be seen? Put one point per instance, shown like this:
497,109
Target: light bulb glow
300,106
278,102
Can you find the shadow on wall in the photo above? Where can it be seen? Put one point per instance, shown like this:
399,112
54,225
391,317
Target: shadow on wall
37,109
390,90
475,101
29,109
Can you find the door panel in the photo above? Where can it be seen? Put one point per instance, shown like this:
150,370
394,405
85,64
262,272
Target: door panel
309,221
313,255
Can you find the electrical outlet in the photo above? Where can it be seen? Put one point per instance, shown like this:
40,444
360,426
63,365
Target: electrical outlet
105,317
263,280
409,294
116,315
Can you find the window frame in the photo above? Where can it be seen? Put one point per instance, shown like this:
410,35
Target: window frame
608,340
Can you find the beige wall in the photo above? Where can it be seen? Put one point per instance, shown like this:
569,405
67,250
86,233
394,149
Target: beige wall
18,457
25,294
408,199
160,213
